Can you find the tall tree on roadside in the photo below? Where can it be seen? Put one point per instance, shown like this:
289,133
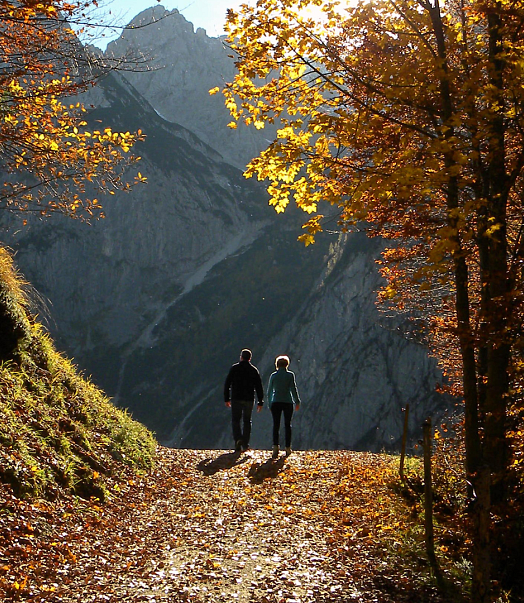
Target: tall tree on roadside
47,152
408,116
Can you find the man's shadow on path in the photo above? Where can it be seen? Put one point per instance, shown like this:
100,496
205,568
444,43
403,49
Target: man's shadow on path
223,462
258,472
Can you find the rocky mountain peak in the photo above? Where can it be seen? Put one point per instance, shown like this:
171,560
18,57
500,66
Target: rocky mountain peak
182,66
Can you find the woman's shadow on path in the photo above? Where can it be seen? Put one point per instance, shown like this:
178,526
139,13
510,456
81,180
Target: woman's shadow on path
258,472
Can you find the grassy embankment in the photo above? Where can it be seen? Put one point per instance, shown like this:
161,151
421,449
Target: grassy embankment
58,432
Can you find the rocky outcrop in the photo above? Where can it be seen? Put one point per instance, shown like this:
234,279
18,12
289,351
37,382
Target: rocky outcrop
358,370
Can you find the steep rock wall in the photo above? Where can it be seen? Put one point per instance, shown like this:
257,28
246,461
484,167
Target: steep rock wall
108,281
355,371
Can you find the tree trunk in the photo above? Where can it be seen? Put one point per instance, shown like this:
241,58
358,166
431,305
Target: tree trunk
480,589
467,342
499,309
460,269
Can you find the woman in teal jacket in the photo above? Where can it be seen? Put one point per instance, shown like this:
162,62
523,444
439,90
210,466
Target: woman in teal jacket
282,395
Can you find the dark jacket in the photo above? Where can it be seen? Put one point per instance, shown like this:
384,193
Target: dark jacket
242,381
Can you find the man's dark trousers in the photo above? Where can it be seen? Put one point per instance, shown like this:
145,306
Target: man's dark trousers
241,411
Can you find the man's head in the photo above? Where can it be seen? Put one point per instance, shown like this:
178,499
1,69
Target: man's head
245,354
282,362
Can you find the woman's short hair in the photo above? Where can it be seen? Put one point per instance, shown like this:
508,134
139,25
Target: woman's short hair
282,361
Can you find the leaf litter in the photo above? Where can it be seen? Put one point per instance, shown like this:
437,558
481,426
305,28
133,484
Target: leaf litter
213,526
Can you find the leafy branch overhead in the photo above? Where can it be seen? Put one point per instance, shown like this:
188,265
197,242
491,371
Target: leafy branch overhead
50,159
358,95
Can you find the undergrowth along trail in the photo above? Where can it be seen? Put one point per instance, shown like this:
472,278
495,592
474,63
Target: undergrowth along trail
213,526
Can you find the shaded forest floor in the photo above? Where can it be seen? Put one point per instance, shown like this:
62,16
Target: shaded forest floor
213,526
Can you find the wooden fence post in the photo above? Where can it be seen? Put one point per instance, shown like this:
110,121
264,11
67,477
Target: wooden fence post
428,496
404,440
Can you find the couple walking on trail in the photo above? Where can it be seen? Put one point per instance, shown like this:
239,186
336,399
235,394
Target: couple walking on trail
242,382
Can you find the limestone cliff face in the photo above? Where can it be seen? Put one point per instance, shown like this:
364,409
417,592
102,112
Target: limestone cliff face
156,301
107,281
183,67
355,371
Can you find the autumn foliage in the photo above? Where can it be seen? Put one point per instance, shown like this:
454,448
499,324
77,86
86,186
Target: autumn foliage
50,160
407,118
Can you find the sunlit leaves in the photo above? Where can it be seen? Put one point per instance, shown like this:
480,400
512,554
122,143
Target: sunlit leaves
210,525
47,152
380,117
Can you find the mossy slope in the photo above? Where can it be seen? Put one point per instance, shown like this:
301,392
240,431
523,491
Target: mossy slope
58,432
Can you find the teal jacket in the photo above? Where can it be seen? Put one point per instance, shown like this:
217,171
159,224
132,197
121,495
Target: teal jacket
282,387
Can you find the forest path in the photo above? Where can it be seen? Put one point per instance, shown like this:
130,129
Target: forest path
215,526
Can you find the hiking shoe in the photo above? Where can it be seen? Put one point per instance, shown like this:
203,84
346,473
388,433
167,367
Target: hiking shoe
275,452
288,450
238,445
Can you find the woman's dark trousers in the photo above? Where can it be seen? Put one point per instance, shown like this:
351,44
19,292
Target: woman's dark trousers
277,408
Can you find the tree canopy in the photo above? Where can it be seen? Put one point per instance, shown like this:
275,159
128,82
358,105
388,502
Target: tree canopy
407,117
47,151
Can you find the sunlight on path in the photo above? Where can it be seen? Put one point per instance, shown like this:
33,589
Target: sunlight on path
247,529
209,526
258,542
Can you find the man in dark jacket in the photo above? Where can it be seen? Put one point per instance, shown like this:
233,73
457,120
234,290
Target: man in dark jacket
242,381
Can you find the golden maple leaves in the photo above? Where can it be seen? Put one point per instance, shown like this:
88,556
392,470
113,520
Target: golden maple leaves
48,153
408,117
357,94
384,108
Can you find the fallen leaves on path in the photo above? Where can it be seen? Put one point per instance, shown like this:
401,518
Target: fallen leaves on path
213,526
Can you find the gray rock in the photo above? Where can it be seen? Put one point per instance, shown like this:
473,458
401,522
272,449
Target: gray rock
182,67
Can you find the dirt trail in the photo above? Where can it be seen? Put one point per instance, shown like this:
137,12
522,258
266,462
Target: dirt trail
214,526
